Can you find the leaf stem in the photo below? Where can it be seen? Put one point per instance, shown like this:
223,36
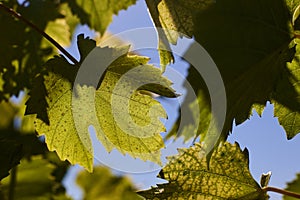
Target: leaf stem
281,191
12,183
34,27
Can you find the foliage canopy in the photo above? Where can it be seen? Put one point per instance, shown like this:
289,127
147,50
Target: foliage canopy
254,44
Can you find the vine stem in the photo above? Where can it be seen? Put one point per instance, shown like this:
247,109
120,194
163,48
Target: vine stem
281,191
34,27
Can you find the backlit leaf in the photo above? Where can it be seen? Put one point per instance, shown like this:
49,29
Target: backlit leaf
98,13
253,55
173,19
287,97
228,176
69,136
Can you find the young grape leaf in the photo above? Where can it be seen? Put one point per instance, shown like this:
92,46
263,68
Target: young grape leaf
101,184
228,176
68,135
98,13
293,186
35,181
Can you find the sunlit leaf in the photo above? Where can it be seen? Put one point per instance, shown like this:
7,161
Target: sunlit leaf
71,141
228,176
287,97
98,13
174,19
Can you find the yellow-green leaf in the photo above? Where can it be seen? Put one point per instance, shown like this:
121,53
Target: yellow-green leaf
173,19
228,176
98,13
137,130
287,97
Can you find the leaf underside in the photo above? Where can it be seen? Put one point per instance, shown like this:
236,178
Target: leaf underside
228,176
257,57
70,113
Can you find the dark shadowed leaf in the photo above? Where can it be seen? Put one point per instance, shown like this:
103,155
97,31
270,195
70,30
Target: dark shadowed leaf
293,186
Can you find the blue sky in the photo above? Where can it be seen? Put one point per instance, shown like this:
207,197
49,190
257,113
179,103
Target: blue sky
265,139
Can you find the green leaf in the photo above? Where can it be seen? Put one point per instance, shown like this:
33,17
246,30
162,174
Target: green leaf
173,19
293,186
59,31
34,181
8,110
10,154
61,134
69,136
287,98
23,51
252,54
101,184
98,13
228,176
176,17
71,19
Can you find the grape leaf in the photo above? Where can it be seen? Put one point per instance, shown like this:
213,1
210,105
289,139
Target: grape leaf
17,140
173,19
287,98
176,17
228,176
10,154
71,20
293,186
101,184
8,110
23,51
98,13
253,59
59,31
70,140
34,181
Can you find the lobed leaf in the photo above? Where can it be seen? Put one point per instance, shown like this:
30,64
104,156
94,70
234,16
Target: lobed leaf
67,130
256,58
188,176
